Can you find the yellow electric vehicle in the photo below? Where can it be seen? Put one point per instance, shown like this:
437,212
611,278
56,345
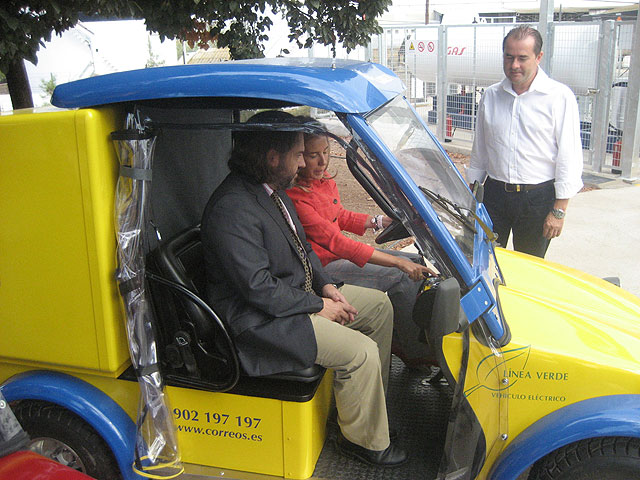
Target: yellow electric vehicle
115,365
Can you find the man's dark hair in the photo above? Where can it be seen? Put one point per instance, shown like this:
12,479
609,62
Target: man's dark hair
523,31
249,154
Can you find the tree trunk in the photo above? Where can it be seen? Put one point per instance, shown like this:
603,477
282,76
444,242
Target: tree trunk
18,83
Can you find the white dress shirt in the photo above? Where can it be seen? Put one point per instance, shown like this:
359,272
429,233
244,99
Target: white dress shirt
529,138
269,191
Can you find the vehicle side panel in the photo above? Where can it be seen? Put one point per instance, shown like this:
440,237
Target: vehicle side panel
57,178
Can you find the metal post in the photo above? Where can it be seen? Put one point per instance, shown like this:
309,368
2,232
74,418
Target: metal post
415,66
382,49
544,27
442,83
389,51
551,41
475,80
368,52
403,64
600,119
629,154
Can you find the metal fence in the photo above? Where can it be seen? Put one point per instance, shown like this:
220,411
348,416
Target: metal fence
452,65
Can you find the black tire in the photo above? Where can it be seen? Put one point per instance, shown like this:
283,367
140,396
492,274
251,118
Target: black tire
604,458
61,435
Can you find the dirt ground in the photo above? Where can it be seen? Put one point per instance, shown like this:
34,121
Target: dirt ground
355,198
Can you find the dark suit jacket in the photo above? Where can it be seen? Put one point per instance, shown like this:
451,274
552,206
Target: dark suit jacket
255,279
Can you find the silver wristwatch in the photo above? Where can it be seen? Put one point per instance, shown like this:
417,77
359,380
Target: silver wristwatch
558,213
377,222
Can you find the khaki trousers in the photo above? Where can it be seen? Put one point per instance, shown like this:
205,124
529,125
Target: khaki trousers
360,356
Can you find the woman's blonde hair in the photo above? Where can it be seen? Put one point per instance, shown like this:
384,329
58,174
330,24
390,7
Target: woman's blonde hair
318,132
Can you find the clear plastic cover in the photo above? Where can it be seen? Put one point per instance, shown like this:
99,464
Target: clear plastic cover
12,437
156,449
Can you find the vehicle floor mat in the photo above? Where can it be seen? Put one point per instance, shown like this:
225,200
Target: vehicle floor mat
418,411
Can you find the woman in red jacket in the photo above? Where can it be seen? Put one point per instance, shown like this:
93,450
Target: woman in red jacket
323,217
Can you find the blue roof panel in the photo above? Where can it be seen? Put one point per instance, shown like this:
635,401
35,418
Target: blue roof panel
346,86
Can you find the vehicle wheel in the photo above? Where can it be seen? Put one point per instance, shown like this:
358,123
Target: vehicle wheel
61,435
605,458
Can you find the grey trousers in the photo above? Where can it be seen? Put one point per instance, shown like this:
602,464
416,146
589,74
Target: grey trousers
402,292
359,354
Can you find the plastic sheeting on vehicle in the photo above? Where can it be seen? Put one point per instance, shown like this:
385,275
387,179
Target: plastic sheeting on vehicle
156,448
12,437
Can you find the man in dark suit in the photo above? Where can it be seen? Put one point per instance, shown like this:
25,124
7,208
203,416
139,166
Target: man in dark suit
283,310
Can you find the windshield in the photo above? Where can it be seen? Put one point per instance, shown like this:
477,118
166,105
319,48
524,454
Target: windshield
426,163
442,186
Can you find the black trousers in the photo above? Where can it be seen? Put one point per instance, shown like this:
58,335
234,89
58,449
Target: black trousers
522,213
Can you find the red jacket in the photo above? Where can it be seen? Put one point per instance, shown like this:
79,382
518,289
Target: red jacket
323,218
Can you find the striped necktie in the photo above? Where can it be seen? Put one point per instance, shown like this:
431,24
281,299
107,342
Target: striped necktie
302,254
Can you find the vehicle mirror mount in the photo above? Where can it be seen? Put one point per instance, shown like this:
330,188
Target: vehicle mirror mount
447,312
437,310
395,231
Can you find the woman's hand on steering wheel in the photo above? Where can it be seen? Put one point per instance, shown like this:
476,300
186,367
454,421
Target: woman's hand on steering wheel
415,271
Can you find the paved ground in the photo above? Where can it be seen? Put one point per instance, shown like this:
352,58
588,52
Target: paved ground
601,235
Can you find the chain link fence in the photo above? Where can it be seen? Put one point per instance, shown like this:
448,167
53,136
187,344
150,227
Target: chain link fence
452,65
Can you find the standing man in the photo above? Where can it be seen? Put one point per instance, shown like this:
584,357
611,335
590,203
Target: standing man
283,310
527,146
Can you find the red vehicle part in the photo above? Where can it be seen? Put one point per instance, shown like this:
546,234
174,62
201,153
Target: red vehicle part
27,465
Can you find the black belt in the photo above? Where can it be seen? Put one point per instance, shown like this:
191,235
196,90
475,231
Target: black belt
520,187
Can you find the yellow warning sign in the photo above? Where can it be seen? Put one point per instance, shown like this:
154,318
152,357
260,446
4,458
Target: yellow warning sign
411,47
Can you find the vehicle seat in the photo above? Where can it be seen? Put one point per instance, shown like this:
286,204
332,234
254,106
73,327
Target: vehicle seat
196,341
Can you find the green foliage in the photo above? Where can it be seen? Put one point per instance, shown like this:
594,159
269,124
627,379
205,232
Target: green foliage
240,25
329,21
243,25
49,85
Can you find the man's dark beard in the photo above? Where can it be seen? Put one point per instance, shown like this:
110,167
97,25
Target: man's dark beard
279,179
285,184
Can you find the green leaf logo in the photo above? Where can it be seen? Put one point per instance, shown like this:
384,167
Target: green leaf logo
485,371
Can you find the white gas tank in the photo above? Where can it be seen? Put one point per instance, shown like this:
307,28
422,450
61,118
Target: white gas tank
474,54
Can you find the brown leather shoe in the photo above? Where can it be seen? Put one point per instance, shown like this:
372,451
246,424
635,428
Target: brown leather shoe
392,456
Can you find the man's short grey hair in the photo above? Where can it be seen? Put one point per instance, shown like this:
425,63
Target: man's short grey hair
523,31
